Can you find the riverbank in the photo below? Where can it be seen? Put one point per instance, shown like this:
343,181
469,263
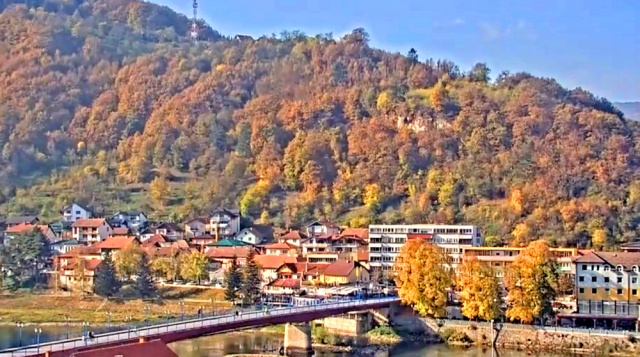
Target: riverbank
52,309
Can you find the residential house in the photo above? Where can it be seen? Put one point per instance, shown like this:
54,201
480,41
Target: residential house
25,228
224,223
222,256
228,243
64,246
201,240
293,237
171,231
62,229
14,221
344,272
303,271
121,231
115,244
196,227
157,240
78,274
631,247
75,212
608,283
269,265
499,258
91,230
251,236
317,244
133,219
281,249
283,287
351,243
317,228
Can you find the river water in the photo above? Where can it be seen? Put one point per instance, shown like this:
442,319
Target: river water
254,342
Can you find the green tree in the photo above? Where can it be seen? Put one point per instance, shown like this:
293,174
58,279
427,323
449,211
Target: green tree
127,261
145,285
233,281
105,281
423,277
251,281
25,256
243,147
193,267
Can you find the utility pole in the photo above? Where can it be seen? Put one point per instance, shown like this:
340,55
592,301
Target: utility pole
194,23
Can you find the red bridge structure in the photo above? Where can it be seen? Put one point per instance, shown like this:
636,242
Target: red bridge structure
193,328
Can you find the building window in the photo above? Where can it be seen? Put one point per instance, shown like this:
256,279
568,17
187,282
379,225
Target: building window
606,268
581,278
634,280
606,279
619,291
606,290
619,268
594,291
619,280
594,279
581,290
634,292
584,266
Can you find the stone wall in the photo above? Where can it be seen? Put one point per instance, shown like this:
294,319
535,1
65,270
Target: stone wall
353,324
534,340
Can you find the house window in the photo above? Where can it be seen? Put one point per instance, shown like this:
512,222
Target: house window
606,290
594,279
619,268
581,290
594,291
635,269
634,292
584,266
619,291
619,280
581,278
634,280
606,268
606,279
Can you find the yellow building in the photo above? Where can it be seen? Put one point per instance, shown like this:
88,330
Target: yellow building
607,283
501,257
344,272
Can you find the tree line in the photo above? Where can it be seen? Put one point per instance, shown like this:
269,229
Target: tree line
427,282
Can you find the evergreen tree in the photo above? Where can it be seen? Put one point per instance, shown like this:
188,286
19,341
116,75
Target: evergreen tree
144,283
24,256
105,282
233,279
243,147
251,280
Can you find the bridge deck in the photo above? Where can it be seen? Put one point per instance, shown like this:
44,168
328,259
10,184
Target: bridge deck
182,330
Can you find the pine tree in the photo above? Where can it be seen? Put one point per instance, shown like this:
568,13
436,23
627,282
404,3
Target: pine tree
233,279
251,280
105,282
144,283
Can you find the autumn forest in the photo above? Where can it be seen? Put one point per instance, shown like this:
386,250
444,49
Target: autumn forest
110,104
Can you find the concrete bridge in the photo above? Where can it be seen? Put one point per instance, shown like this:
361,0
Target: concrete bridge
297,337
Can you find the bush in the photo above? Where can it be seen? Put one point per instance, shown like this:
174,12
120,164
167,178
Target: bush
383,331
319,334
446,333
460,338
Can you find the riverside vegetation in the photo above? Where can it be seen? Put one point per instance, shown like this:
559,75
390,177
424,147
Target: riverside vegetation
109,104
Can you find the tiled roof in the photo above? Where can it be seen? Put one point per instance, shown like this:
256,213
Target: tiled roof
156,238
166,251
273,261
180,243
172,227
229,243
20,219
120,231
625,259
286,283
25,228
155,348
324,223
228,252
294,235
89,264
311,268
225,211
89,223
340,268
362,233
82,250
280,246
197,219
118,242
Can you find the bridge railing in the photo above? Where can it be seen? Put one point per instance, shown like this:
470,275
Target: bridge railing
188,324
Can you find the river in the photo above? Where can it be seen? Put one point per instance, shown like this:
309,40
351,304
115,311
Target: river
255,342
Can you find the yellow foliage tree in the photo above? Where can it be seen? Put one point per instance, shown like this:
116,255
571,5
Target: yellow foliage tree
159,191
423,277
372,196
531,283
127,261
384,102
447,192
479,290
599,238
521,234
193,267
515,201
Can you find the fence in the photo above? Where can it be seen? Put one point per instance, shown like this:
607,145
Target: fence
132,332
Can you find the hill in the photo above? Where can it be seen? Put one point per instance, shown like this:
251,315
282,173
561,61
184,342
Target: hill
108,103
631,110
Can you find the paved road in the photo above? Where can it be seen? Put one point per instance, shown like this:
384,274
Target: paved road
253,318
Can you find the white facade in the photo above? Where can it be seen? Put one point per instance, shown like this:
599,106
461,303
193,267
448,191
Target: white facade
96,230
224,223
75,212
322,228
250,236
386,241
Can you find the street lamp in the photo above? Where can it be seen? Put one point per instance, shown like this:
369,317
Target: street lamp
108,315
38,332
66,319
20,327
85,331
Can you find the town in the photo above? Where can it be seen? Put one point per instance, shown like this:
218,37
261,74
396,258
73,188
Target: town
595,289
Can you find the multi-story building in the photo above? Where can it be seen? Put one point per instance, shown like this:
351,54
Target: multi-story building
75,212
501,257
608,283
224,223
318,228
91,230
386,241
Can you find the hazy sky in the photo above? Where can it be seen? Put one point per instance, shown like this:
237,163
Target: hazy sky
586,43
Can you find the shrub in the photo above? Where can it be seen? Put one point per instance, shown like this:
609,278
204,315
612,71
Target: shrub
446,333
459,337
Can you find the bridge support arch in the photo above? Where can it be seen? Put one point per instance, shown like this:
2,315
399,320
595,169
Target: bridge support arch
297,340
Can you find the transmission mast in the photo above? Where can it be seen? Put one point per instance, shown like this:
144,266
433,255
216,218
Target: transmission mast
194,21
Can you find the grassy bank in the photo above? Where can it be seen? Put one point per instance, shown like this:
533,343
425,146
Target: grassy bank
40,308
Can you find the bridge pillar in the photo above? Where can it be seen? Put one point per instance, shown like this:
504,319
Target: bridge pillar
297,340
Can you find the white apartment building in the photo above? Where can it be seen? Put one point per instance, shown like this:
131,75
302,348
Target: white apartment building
386,241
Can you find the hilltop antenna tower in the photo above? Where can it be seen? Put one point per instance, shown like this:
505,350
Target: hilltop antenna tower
194,21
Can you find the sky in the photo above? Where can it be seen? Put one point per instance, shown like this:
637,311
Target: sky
581,43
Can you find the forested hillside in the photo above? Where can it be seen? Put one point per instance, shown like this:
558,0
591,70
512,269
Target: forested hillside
107,102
